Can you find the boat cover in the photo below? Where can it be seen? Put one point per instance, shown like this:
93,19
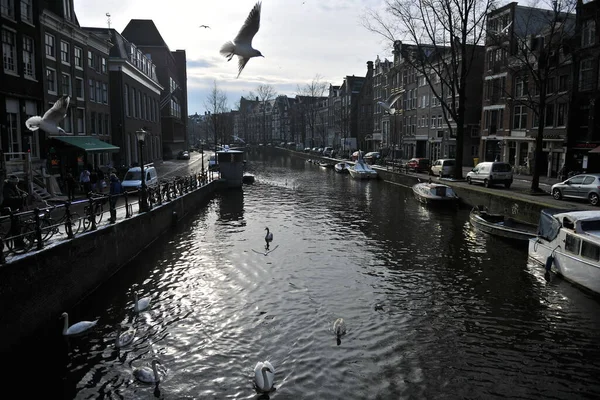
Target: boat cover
549,226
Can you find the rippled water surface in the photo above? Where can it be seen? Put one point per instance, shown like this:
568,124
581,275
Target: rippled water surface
433,308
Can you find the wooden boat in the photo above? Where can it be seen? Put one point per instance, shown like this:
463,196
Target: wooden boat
342,167
434,193
568,243
500,225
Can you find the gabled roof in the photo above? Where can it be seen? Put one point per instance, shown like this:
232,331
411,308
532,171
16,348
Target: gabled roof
143,32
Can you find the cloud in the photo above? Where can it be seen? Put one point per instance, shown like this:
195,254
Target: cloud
298,40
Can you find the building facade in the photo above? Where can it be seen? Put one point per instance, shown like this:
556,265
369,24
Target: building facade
172,76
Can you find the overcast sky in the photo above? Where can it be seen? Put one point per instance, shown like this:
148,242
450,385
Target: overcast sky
299,38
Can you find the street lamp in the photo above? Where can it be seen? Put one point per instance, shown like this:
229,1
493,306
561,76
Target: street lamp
202,151
141,135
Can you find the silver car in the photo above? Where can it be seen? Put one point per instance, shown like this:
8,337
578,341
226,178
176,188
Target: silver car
583,186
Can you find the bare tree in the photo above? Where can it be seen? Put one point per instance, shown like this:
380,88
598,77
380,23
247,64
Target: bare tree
444,36
264,94
539,56
216,105
311,95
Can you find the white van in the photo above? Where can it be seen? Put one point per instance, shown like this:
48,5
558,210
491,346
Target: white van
443,167
491,173
133,178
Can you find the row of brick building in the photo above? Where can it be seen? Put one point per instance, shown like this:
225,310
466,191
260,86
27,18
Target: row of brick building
118,83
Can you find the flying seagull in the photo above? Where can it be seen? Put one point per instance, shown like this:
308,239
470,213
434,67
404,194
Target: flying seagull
49,122
242,44
204,26
388,105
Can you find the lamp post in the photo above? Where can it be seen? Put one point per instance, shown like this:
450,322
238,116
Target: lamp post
141,135
202,151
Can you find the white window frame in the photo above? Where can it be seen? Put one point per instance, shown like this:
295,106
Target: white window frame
31,57
80,129
588,33
55,89
104,93
7,9
522,112
10,49
62,76
75,58
27,11
67,122
50,38
66,45
82,97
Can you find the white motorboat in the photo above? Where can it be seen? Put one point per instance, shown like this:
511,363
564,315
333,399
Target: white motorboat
568,243
434,193
342,167
362,170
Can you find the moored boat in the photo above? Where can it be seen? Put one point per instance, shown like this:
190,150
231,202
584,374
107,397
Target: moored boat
362,170
342,167
248,178
434,193
500,225
568,243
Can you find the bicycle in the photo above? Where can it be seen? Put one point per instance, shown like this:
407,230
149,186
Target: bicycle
50,226
97,214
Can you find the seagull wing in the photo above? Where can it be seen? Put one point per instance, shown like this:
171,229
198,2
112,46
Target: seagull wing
384,105
58,111
242,61
393,98
250,27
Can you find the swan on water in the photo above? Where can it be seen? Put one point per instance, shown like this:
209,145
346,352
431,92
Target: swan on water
77,328
146,374
268,236
264,374
339,328
124,338
141,304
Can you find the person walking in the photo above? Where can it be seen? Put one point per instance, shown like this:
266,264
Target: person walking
71,185
84,179
14,198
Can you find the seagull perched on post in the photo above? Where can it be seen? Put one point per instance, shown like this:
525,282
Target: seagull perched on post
242,44
49,122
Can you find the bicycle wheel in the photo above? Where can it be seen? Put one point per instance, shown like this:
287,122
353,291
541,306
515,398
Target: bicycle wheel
99,213
86,219
23,242
75,222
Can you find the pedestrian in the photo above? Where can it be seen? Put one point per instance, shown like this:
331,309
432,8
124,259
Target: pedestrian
84,179
114,191
94,180
71,184
14,198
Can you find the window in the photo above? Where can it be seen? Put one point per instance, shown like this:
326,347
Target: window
7,8
28,58
144,116
563,81
9,50
106,125
103,65
138,105
30,111
67,8
550,85
26,11
126,98
50,48
561,112
572,244
79,88
14,137
133,99
91,90
66,84
51,79
100,120
93,123
64,52
91,60
588,33
586,79
78,57
80,121
98,92
66,122
590,251
549,115
104,93
521,84
520,117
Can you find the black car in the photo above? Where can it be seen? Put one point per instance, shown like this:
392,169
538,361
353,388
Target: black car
183,155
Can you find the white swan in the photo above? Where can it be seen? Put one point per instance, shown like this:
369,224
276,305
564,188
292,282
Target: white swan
339,327
268,236
77,328
146,374
264,374
141,304
124,338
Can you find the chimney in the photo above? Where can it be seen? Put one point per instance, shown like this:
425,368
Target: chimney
369,65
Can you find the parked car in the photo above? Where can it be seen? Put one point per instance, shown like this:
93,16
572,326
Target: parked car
583,187
133,178
443,167
327,151
372,157
418,164
356,153
491,173
183,155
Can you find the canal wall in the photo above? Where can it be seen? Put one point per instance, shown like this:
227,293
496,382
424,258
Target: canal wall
36,288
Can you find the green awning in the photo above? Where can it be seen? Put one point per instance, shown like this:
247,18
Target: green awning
88,143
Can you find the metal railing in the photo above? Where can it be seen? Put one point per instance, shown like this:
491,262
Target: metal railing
32,230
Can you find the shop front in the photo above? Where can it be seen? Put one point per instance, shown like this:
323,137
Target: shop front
73,153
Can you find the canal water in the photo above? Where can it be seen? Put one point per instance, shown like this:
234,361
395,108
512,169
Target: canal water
433,308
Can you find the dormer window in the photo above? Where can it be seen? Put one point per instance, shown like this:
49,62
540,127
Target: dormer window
67,9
